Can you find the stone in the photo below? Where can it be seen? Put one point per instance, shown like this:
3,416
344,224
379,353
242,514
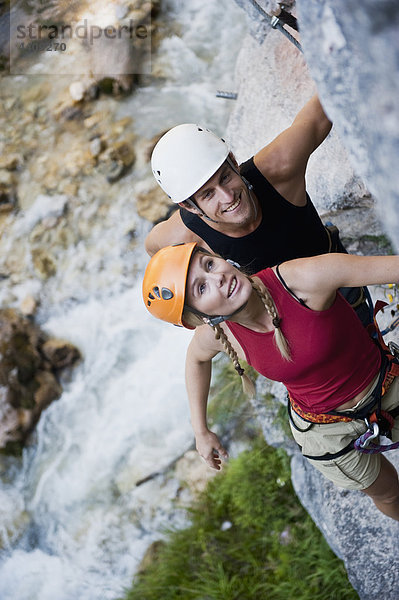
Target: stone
60,353
153,204
93,120
28,306
193,471
77,91
29,368
117,160
121,11
49,389
96,146
11,162
124,152
150,556
44,264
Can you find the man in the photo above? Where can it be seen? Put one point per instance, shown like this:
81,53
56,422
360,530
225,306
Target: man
257,214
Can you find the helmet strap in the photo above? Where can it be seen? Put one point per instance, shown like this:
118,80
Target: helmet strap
192,203
216,319
248,185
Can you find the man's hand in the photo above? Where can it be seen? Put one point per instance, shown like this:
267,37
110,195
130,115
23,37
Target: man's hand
211,450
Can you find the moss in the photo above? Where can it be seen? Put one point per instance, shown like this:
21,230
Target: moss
12,448
382,241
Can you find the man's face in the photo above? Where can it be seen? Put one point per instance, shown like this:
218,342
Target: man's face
225,198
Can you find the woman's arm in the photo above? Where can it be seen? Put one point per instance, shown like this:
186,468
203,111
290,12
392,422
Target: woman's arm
317,278
202,349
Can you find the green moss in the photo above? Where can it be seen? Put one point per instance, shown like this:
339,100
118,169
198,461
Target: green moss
12,449
381,240
272,550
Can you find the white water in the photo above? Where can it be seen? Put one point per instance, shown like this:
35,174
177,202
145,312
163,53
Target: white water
73,522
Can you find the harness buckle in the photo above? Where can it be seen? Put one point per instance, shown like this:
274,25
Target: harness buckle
376,432
394,349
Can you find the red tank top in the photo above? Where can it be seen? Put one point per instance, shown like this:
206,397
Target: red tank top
333,356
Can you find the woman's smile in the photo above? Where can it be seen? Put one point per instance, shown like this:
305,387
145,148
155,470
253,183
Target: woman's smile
214,286
232,286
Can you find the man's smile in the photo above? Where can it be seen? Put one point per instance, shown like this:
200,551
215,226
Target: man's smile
234,205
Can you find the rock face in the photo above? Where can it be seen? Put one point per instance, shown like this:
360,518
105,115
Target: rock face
352,51
29,365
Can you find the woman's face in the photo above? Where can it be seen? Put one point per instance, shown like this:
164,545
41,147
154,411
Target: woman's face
214,286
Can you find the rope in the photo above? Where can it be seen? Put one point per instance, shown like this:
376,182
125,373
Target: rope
391,327
372,448
275,22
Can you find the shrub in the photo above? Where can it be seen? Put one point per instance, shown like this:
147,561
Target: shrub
249,539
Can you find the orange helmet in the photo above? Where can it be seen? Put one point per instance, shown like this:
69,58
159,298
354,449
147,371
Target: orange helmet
164,283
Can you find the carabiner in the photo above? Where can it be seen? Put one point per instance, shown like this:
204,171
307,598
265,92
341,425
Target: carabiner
394,349
376,432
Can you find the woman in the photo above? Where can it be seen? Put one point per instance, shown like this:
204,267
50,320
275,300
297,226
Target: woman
290,323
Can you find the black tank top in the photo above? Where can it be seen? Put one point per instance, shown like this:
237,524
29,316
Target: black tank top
285,232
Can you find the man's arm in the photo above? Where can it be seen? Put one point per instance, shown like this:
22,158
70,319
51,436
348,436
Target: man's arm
283,162
171,231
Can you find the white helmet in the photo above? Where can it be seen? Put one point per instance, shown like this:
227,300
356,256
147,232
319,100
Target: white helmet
185,158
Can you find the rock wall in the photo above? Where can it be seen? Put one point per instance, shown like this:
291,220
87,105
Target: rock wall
273,84
350,51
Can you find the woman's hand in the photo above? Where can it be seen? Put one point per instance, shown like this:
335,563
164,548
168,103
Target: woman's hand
211,450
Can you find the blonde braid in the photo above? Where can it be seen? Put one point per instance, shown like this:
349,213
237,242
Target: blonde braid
195,320
267,300
247,384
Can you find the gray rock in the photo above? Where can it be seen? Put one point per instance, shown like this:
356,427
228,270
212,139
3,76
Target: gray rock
352,51
356,531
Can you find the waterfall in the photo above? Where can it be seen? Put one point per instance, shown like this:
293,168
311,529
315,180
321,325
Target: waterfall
73,522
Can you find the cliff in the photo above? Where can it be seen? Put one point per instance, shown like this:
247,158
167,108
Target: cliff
351,52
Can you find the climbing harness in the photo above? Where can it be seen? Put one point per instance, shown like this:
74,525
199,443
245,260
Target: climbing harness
378,422
284,18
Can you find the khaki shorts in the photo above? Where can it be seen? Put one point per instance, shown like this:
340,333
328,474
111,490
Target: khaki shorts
354,470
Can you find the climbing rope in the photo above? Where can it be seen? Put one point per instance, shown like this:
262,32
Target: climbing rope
364,442
284,18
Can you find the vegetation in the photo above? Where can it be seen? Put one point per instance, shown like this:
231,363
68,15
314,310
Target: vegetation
249,538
